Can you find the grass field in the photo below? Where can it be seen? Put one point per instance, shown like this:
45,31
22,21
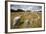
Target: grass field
34,19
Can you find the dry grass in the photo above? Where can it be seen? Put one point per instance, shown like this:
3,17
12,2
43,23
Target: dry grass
34,18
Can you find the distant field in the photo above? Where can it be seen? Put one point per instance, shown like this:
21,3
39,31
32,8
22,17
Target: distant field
34,19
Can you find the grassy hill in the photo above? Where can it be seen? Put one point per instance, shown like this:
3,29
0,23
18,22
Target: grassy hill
34,19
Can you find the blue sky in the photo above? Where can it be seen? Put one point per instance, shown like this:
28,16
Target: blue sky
26,7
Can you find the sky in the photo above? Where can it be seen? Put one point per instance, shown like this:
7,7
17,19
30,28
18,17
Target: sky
26,7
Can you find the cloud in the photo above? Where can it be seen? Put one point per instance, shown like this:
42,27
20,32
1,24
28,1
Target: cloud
26,7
